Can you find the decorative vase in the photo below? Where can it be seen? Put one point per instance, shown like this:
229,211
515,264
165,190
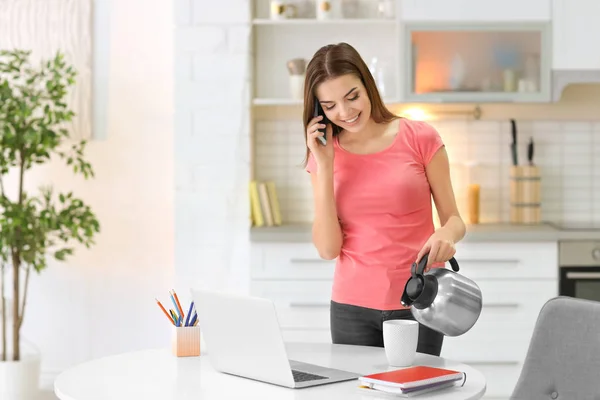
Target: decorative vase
297,87
20,380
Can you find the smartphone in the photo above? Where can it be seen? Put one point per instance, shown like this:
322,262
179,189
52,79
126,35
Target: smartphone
319,111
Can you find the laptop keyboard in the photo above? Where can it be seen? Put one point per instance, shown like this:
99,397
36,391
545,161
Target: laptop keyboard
300,376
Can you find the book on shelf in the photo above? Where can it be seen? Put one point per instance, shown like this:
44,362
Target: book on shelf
264,204
409,382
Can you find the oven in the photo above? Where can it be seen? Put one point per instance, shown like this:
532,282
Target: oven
579,269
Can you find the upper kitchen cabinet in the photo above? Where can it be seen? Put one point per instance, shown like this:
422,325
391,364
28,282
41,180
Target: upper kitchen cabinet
575,32
474,10
476,62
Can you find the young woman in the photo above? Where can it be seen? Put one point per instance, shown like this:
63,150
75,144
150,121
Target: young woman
373,181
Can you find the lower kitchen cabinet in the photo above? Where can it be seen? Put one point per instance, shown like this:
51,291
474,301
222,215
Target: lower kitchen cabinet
516,279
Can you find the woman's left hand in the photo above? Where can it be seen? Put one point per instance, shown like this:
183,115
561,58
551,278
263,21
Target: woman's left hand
440,247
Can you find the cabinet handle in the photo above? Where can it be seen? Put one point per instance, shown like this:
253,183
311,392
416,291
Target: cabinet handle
308,304
500,305
490,261
583,275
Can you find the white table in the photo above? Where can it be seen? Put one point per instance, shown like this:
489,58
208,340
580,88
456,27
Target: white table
157,374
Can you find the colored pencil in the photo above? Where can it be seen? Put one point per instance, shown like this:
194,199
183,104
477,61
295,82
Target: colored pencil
187,320
178,305
165,311
174,304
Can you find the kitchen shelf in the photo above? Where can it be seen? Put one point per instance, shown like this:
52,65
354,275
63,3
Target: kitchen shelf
274,46
314,21
292,102
276,102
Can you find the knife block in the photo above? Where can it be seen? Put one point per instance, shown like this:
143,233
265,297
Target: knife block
525,195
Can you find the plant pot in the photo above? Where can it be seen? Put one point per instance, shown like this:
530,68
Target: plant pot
20,380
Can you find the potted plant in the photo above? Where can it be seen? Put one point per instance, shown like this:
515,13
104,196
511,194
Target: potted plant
35,223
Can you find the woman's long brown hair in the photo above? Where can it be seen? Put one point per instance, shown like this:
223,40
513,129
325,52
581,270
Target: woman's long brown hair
330,62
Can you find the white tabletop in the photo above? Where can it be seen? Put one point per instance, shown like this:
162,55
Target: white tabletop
157,374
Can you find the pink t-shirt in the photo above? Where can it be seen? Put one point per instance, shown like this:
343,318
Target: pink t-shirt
384,206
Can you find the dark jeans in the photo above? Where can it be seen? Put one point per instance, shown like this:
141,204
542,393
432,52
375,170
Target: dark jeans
363,326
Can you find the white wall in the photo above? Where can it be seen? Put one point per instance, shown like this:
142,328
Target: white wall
171,184
212,143
102,301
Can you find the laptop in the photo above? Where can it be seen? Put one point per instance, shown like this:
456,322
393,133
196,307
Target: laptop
243,338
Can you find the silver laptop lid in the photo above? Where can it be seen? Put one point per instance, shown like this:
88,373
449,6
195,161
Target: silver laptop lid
242,336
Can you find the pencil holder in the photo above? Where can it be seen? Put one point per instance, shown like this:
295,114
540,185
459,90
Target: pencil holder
185,341
525,195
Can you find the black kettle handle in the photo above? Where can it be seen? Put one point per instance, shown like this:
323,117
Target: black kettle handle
418,269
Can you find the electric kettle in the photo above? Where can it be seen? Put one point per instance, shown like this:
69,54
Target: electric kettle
441,299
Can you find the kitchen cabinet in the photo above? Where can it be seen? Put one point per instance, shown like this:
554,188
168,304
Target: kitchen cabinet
299,282
575,28
431,51
575,33
474,10
477,62
516,280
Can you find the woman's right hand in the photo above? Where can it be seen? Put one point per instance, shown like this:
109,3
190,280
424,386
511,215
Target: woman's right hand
323,153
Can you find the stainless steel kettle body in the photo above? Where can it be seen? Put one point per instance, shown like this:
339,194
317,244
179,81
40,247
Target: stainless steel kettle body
441,299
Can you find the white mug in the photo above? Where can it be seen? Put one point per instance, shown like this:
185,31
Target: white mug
400,339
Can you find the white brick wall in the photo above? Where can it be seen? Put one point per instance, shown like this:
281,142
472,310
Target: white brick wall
212,145
565,150
225,12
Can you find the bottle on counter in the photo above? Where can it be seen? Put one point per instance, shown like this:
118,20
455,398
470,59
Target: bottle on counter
473,203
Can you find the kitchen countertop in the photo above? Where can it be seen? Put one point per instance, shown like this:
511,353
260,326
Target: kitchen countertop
298,233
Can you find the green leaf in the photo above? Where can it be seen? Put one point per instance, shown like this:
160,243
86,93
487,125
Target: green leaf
34,129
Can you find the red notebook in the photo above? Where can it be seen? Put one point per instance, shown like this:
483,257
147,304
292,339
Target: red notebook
412,377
